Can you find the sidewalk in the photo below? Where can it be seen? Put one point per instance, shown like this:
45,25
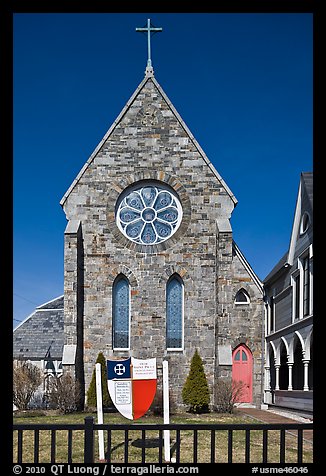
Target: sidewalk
270,416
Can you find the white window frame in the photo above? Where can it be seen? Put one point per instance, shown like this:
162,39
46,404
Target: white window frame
308,253
242,303
294,284
304,230
138,188
271,312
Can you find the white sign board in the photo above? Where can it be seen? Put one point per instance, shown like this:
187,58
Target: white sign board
69,354
122,392
143,369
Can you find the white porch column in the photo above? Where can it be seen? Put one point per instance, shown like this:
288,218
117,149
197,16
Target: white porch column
290,365
305,375
267,379
267,386
277,376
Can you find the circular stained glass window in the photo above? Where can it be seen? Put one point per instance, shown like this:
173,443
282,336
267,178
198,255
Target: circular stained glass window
149,214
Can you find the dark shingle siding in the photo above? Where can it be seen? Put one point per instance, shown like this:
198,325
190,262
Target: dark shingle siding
277,268
42,331
308,183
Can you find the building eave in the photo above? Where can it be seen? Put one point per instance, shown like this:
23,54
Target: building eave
247,266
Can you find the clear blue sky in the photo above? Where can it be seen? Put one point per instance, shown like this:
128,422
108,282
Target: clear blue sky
242,83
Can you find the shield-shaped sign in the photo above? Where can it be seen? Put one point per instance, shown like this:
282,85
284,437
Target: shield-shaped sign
132,385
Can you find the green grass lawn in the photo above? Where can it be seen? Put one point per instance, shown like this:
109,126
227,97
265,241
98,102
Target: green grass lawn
151,444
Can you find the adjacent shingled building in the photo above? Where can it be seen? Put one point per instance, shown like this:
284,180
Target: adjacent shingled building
289,313
40,336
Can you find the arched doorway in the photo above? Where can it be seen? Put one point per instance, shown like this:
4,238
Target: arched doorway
297,370
272,372
284,372
311,365
242,372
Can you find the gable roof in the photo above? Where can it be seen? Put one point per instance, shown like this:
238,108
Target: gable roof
305,185
148,77
41,333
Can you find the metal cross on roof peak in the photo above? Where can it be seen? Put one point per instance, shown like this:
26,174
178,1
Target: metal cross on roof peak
149,29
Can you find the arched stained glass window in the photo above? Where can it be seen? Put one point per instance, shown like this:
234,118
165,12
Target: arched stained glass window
174,313
121,312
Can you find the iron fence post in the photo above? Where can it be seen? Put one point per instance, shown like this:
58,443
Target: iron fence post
89,440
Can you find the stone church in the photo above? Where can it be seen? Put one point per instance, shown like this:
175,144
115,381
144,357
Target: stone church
151,268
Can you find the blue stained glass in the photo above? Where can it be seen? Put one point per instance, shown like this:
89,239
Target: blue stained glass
148,194
134,229
134,201
127,215
174,311
121,313
163,200
169,215
148,234
162,229
149,215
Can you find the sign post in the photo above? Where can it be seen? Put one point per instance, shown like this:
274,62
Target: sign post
166,410
99,410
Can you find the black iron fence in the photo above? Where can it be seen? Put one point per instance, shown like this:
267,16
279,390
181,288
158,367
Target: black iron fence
188,441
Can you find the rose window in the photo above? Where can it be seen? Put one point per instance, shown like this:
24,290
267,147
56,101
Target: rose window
149,214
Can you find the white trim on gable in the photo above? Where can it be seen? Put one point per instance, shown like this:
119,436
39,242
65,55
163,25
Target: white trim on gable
295,227
38,308
48,302
247,266
25,320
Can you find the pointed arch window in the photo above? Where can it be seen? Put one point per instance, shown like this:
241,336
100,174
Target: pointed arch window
174,313
121,312
242,297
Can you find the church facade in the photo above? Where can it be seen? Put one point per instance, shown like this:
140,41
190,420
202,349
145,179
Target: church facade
151,268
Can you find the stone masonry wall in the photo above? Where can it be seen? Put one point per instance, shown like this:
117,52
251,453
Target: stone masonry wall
149,143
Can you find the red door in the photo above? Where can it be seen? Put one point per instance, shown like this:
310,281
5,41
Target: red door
242,372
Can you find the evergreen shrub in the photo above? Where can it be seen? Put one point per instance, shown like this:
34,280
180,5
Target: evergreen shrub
195,392
91,392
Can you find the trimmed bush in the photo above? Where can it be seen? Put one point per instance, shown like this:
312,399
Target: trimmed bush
91,392
195,392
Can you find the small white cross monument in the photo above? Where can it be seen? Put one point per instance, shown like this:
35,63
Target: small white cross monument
149,29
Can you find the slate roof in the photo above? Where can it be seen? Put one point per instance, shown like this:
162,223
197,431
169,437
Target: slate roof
41,333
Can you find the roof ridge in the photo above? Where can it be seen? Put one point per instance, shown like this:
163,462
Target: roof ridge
148,77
